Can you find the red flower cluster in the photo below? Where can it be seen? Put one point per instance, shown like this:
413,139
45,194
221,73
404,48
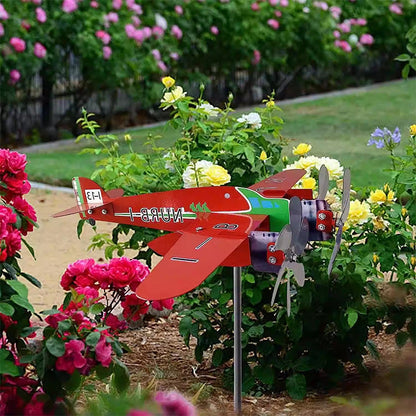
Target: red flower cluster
78,354
13,390
13,175
116,279
118,273
13,185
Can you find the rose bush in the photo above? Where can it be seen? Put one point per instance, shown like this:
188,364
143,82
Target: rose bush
332,315
45,366
130,45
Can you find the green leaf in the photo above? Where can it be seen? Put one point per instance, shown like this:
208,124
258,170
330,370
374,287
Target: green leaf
255,331
6,309
7,365
401,338
24,303
64,325
121,376
372,349
403,57
92,339
10,270
18,287
31,279
217,357
97,308
74,382
56,346
352,317
296,386
405,71
264,373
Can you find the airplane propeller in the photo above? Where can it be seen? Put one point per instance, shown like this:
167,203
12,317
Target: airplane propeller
323,183
345,209
292,241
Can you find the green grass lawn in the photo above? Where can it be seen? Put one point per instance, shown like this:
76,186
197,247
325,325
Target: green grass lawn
337,127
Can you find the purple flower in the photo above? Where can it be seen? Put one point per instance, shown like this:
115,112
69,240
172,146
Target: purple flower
396,136
386,138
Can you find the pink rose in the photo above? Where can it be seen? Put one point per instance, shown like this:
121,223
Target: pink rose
103,352
39,50
214,30
94,4
136,21
99,272
273,23
176,32
117,4
178,10
130,30
396,8
255,7
111,17
16,162
53,320
256,57
25,209
366,39
3,13
73,358
18,44
1,30
159,305
69,6
158,32
40,15
134,307
122,271
13,242
173,403
107,52
104,36
114,323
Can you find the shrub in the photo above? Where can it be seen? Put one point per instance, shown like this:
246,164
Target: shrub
123,45
331,315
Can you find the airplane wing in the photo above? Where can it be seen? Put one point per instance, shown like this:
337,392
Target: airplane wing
278,185
195,255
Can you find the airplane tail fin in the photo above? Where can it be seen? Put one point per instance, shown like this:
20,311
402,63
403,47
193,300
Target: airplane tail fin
89,195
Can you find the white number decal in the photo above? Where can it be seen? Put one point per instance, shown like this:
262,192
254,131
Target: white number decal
94,196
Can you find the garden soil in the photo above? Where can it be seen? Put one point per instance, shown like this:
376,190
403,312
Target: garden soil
159,356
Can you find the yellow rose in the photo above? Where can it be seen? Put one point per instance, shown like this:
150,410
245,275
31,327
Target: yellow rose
168,82
172,96
301,149
413,261
375,258
380,224
412,130
309,183
263,156
359,213
380,197
217,175
404,212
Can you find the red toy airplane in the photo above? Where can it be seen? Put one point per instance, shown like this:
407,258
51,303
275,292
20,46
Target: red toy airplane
266,225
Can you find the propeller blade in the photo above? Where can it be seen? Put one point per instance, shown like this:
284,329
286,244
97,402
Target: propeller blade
284,238
346,189
295,213
336,249
278,280
323,182
299,272
302,238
